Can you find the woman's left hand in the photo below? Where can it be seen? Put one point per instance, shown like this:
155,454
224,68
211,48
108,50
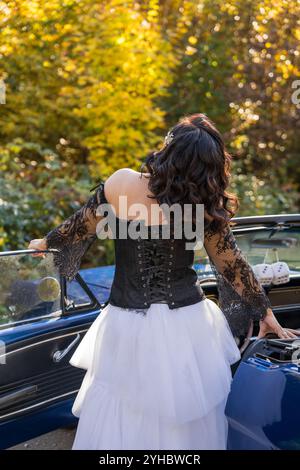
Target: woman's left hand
38,244
270,325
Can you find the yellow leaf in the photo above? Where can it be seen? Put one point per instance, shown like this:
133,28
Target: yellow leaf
192,40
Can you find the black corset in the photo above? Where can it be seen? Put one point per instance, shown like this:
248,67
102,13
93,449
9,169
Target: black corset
155,265
154,270
149,269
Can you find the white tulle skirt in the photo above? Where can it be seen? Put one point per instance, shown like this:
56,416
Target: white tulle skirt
158,380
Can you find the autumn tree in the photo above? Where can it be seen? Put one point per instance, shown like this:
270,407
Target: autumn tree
84,72
237,63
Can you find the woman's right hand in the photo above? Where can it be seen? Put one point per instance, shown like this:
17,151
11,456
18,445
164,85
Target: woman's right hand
270,325
38,244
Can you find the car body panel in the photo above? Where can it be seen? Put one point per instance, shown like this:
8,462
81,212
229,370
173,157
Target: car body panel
30,364
262,407
37,423
37,383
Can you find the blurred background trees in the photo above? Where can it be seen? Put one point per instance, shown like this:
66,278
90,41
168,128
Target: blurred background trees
92,86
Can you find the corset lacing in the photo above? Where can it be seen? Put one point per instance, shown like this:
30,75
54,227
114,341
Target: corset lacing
155,260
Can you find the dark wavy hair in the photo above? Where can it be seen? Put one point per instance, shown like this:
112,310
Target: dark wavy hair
193,167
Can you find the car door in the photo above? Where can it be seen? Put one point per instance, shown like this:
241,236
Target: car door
42,320
262,407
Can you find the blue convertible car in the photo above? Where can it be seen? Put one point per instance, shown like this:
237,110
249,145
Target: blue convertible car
43,318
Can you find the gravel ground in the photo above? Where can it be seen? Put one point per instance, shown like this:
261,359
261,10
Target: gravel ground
61,439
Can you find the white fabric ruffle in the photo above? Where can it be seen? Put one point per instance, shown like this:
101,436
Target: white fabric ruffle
155,380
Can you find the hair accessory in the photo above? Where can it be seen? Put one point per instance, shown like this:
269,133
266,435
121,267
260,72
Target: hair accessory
169,137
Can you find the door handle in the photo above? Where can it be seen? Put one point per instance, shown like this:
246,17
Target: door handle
59,355
11,398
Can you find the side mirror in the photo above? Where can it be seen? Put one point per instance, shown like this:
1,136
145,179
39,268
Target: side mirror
48,289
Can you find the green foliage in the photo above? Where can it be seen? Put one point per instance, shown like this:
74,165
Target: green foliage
84,71
38,194
93,86
237,62
258,197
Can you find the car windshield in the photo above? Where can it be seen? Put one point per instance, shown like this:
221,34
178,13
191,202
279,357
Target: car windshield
29,288
260,246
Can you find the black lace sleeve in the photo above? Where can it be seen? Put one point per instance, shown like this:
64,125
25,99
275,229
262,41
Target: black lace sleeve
76,234
241,296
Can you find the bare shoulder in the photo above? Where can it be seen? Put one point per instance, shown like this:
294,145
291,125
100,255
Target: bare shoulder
120,182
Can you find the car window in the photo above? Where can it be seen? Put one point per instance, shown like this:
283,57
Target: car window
94,281
76,296
29,289
99,280
271,245
267,245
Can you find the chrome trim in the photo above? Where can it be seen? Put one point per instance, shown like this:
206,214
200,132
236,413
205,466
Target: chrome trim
266,219
56,314
20,393
286,308
240,230
41,342
238,426
59,355
27,252
38,404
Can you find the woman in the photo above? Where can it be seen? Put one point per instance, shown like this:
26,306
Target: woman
158,356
